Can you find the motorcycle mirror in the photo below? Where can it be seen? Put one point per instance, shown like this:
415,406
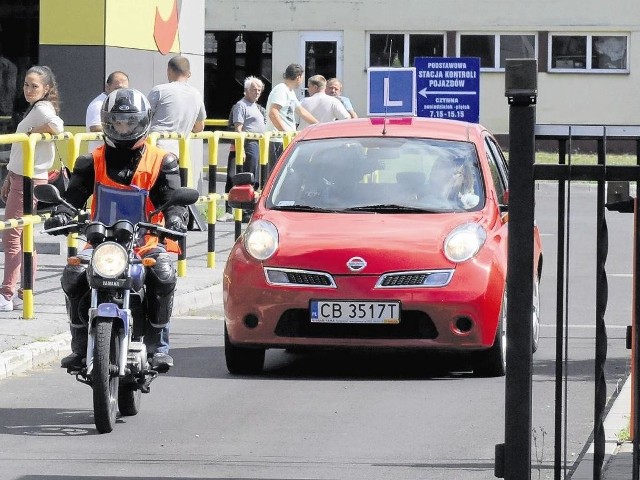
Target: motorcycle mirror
182,196
48,193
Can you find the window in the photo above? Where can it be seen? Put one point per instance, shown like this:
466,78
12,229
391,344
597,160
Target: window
494,50
400,49
498,167
589,53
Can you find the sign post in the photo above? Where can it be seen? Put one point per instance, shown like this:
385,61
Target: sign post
448,88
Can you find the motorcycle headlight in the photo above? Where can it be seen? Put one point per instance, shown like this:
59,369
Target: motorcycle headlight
464,242
261,239
109,260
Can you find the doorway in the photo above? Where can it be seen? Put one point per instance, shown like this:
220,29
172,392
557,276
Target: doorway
321,54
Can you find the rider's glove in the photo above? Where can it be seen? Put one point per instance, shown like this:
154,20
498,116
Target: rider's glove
57,220
177,224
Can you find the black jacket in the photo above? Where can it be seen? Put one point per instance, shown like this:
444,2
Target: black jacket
121,165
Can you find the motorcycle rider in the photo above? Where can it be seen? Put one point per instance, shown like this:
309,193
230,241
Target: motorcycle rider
125,163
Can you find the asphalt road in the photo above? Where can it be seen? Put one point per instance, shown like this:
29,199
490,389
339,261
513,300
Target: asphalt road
327,415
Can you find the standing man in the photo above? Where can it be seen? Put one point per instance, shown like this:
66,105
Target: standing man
334,89
115,80
178,107
321,105
282,105
247,116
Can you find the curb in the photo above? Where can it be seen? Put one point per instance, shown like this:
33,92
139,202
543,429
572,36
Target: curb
616,420
36,354
27,357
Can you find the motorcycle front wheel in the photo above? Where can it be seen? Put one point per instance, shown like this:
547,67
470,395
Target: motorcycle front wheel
104,377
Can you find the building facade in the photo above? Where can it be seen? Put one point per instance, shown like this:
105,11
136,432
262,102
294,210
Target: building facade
588,69
588,66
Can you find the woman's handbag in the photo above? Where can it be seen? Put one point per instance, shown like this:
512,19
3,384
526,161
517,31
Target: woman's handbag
59,178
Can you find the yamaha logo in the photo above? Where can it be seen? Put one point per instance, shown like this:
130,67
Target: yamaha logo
126,108
356,264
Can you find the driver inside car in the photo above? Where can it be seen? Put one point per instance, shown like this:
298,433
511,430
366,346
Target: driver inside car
125,164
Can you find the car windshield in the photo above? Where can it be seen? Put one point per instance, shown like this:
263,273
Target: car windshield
381,175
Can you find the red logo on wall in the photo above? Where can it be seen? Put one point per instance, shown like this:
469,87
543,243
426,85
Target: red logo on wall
165,31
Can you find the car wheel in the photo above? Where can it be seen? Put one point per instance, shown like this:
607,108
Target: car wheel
535,338
242,360
493,362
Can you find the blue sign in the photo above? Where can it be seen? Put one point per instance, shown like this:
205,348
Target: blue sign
391,91
448,87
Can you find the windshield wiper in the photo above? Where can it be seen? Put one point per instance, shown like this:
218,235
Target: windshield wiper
302,208
391,208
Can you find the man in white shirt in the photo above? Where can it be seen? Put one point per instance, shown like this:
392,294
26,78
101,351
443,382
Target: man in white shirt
282,105
93,121
321,105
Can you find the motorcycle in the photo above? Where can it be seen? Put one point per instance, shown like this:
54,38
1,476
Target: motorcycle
116,365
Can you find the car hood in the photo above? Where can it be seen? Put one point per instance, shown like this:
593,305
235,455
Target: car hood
386,242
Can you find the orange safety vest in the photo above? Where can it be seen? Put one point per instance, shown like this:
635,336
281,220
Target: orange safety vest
145,178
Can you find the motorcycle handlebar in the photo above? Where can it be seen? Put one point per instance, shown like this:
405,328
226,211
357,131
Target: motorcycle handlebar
152,228
162,231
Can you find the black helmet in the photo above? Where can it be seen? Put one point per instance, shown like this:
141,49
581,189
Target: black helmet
125,116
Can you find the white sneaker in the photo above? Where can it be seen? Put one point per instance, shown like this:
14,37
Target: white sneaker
227,217
5,305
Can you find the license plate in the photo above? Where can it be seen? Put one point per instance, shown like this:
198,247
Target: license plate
348,311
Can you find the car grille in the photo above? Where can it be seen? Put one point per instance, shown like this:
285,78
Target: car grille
308,278
413,324
293,277
427,278
395,280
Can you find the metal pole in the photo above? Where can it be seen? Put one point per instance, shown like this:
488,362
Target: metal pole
521,90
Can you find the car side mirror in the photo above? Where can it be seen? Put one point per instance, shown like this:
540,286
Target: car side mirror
242,196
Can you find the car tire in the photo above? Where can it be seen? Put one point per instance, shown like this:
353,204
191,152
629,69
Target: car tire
535,337
493,362
242,360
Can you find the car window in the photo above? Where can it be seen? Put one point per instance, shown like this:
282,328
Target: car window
498,167
388,173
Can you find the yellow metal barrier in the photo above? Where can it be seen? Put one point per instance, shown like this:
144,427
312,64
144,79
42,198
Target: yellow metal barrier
74,141
209,122
28,148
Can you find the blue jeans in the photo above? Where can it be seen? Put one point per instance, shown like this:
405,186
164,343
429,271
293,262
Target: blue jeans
157,339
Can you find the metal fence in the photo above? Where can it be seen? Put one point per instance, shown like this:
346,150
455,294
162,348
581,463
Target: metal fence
612,186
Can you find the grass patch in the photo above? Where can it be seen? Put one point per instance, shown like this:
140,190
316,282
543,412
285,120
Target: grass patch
586,159
624,435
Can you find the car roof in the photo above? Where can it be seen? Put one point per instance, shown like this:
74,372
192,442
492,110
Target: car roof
395,127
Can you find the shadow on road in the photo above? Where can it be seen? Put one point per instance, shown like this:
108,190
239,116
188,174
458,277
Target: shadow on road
209,362
47,422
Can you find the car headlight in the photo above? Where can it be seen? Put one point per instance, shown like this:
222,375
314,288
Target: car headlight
261,239
109,260
464,242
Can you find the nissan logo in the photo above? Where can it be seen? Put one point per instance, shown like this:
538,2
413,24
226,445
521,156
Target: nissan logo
356,264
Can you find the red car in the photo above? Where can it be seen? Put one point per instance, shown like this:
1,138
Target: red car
376,233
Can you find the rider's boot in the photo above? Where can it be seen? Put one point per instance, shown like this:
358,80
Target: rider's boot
77,299
160,362
75,360
161,282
